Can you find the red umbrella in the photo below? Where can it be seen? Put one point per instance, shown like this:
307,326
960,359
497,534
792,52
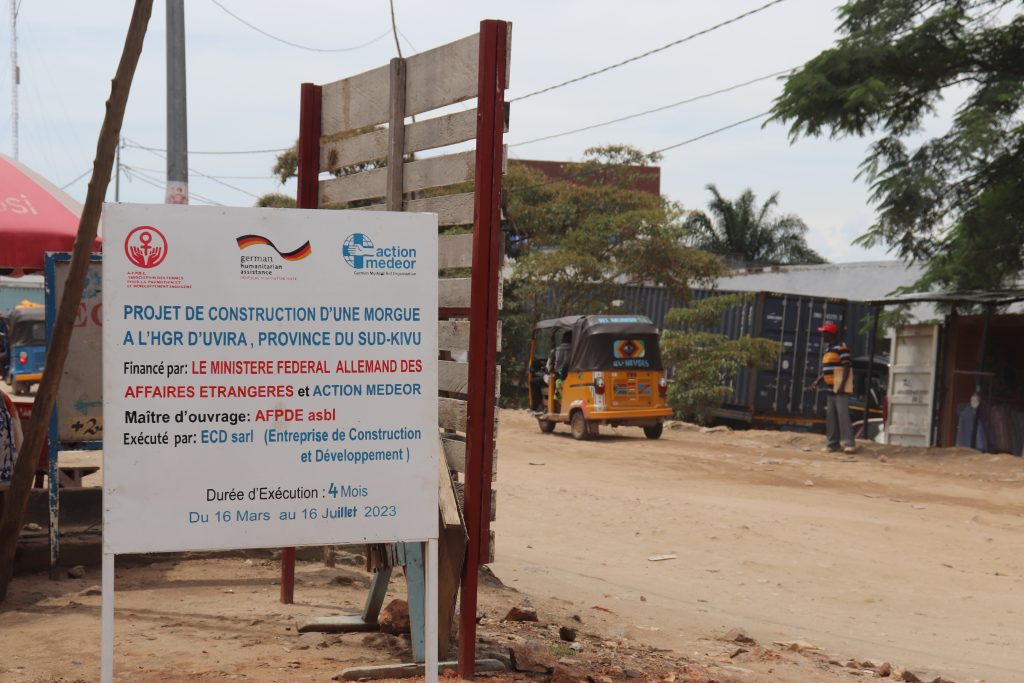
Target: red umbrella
36,216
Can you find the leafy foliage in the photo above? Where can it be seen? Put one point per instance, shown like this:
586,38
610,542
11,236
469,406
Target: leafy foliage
955,200
738,227
578,242
705,362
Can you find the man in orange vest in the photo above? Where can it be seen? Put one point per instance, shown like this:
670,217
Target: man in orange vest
837,373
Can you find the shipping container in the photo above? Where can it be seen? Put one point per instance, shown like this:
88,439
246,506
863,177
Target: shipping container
775,397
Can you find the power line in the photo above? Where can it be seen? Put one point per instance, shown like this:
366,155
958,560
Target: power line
77,178
394,28
712,132
650,52
598,169
288,42
215,153
132,172
218,177
655,110
204,175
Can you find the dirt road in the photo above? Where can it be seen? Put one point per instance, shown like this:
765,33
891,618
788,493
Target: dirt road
895,554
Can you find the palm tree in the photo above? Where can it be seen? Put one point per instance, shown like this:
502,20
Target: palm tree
756,235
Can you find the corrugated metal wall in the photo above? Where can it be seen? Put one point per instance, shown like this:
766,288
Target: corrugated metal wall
789,319
12,293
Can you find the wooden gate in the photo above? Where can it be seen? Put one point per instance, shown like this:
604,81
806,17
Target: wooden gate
373,167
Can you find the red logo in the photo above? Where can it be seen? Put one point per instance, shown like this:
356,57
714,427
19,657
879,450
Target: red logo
145,246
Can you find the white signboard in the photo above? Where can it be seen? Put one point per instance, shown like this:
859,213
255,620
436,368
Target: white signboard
270,377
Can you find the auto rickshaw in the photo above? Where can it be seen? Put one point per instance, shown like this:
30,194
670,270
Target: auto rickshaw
26,338
590,370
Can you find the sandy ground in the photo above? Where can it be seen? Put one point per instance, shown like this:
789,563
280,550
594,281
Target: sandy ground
897,555
908,555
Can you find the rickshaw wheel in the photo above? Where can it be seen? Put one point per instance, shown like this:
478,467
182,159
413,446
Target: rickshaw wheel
654,432
581,430
546,426
18,388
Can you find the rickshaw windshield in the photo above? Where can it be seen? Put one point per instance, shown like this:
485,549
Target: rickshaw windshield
617,351
28,327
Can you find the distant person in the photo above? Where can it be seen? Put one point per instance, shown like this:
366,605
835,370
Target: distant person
558,359
558,363
837,373
10,438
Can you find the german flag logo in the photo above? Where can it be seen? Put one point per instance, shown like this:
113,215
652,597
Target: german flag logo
629,348
246,241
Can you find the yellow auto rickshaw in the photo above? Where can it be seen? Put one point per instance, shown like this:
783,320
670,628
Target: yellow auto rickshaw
590,370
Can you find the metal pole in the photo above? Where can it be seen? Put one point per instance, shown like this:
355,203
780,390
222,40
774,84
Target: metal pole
483,326
177,113
871,365
981,368
307,197
15,78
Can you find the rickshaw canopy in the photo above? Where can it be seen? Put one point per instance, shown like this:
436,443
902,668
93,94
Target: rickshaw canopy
604,342
27,325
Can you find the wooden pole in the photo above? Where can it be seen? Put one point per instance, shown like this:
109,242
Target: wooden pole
16,500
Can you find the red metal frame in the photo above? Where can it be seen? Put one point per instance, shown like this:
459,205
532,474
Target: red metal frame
483,311
307,197
483,325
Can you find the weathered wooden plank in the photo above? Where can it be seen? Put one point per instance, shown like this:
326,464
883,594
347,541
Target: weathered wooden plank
371,146
439,171
455,456
439,131
460,496
396,136
455,251
451,209
451,414
443,76
453,292
435,78
453,377
453,335
355,102
447,502
364,185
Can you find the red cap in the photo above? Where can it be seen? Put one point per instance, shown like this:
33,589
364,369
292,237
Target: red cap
830,328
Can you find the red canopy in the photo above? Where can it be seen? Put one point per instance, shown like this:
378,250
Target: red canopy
36,216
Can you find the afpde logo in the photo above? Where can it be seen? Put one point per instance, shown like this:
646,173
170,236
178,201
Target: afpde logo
145,246
361,253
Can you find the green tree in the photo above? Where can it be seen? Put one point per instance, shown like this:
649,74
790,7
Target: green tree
955,201
705,362
580,240
739,227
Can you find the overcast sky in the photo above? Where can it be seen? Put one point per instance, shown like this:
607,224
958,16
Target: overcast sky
243,91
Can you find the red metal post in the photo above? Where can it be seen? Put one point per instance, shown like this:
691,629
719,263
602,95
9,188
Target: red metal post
483,325
308,197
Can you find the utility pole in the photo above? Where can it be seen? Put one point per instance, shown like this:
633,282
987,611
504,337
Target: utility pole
177,112
15,78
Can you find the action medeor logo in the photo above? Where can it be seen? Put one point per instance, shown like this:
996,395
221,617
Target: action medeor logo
356,248
145,246
362,254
